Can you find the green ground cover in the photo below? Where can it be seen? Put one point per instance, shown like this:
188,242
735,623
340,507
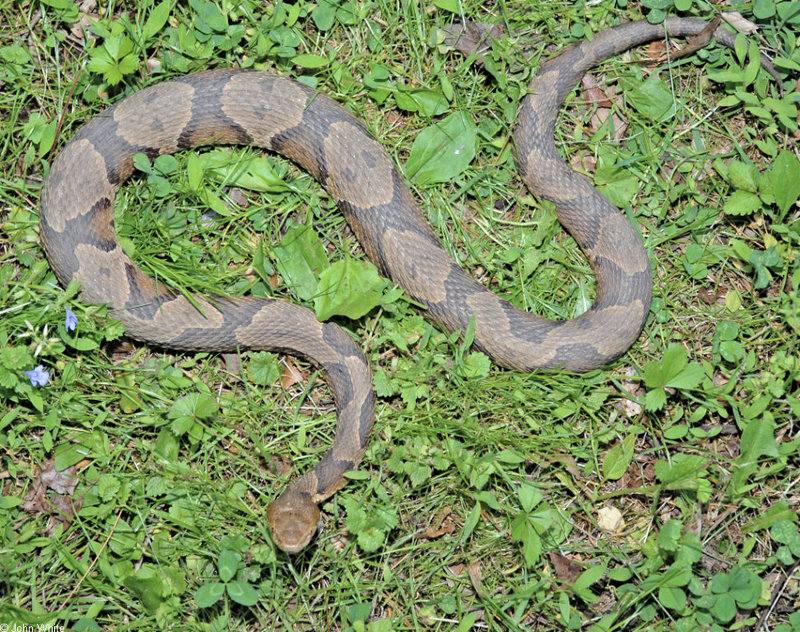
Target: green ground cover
658,493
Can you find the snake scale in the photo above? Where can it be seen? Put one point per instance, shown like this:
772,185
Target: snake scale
251,107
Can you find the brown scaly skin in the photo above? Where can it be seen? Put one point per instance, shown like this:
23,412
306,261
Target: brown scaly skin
245,107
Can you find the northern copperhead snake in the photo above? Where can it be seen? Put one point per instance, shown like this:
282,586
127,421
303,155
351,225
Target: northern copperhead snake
249,107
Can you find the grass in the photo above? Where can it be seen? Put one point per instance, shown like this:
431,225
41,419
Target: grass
657,493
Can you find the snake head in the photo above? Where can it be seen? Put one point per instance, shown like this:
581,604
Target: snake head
293,520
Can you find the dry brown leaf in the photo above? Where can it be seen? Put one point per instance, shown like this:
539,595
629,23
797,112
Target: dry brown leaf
567,571
445,525
60,506
707,296
291,375
593,93
475,576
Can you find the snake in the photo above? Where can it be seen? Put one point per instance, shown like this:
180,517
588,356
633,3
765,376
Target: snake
261,108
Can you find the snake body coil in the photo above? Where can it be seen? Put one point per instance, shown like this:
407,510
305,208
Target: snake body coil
247,107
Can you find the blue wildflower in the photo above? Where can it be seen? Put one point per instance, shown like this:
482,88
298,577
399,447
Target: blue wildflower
38,376
71,321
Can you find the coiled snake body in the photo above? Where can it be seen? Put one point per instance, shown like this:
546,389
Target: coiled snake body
249,107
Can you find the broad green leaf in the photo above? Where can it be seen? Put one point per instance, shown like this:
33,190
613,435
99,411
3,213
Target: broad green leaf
454,6
418,473
510,456
68,10
653,99
195,405
672,597
655,399
745,587
678,431
148,589
426,102
656,374
371,539
359,611
522,531
758,439
689,377
348,288
764,9
47,137
194,171
743,175
784,179
214,202
733,301
620,574
157,19
616,183
310,61
471,521
741,249
586,579
724,608
732,351
529,496
69,454
725,76
683,473
255,173
16,55
443,150
165,164
785,109
674,371
323,15
741,46
756,407
689,552
542,518
372,529
590,576
753,64
741,203
356,516
778,512
727,330
475,365
784,531
242,593
209,594
670,535
300,257
227,563
675,575
108,487
618,458
209,19
263,368
8,502
532,547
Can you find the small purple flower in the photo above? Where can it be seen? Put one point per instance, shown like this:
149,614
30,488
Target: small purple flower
38,377
71,321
